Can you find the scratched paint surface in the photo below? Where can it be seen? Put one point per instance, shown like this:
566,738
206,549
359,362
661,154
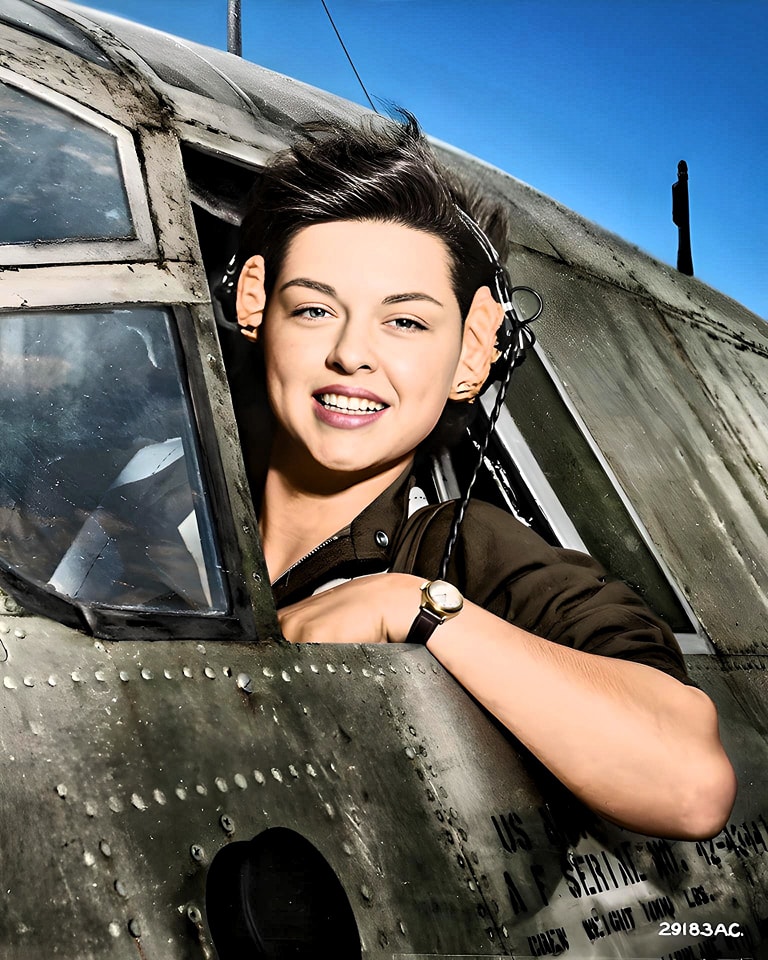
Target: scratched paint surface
127,767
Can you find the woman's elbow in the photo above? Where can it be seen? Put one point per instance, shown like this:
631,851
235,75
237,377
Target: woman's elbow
708,799
708,782
709,791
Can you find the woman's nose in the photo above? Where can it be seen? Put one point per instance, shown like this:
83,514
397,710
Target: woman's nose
352,349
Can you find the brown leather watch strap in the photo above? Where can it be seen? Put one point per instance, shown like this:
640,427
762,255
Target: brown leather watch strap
423,626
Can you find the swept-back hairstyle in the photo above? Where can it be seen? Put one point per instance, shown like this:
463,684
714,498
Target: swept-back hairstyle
379,169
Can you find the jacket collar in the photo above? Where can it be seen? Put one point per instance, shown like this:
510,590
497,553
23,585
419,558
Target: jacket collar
363,547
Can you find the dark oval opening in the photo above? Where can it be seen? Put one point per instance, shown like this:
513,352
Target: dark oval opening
277,897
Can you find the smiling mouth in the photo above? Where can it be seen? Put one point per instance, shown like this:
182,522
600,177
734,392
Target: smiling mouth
353,405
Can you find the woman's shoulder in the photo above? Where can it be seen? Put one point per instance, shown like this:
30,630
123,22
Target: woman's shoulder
488,523
488,527
492,546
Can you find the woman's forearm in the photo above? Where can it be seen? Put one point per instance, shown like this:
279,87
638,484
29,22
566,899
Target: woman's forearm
634,744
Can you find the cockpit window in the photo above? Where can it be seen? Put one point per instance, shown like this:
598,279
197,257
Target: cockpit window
101,495
60,176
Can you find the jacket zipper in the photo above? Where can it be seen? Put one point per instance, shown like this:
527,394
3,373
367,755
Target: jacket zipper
306,557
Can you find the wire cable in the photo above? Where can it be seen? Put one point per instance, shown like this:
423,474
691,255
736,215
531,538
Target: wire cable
343,47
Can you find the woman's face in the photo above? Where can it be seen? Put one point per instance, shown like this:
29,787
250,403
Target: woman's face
362,336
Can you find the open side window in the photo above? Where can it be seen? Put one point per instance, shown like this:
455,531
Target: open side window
541,464
219,189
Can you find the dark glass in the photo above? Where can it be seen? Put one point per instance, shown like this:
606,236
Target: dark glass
100,489
60,177
584,490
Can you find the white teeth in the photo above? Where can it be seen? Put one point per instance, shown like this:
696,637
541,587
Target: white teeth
350,404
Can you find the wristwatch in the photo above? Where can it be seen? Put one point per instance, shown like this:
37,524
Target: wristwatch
439,602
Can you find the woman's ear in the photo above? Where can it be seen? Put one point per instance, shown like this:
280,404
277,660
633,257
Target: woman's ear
478,347
251,297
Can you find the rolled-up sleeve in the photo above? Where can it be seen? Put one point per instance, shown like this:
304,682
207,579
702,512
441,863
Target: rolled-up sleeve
561,595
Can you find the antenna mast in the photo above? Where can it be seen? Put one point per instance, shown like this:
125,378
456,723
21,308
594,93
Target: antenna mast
234,28
681,218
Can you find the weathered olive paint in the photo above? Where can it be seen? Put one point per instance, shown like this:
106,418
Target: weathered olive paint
128,766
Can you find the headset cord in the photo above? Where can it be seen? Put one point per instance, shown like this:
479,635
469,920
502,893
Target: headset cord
522,338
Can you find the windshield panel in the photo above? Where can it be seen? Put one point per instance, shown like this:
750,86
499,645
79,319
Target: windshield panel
101,495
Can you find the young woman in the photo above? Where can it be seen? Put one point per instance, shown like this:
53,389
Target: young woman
369,291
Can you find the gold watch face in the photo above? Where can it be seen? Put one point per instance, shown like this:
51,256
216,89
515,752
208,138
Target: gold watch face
445,598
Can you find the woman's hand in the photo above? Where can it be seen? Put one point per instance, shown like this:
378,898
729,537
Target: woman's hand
376,609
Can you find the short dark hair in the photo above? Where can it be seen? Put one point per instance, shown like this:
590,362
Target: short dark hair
378,169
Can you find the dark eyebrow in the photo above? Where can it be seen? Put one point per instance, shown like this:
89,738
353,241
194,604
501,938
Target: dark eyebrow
331,292
402,297
311,284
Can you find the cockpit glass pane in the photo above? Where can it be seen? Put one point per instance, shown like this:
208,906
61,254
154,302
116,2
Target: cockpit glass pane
60,177
101,495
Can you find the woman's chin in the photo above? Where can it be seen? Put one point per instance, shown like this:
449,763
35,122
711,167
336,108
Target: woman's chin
328,473
356,468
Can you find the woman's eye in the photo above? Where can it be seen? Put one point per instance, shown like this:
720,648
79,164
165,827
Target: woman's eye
407,323
311,313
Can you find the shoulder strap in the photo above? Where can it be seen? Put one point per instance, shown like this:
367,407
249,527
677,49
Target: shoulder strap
406,549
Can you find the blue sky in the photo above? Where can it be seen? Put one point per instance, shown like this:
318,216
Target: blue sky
590,101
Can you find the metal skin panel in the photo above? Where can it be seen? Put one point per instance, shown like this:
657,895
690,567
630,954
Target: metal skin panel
524,226
118,752
128,766
679,416
273,97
